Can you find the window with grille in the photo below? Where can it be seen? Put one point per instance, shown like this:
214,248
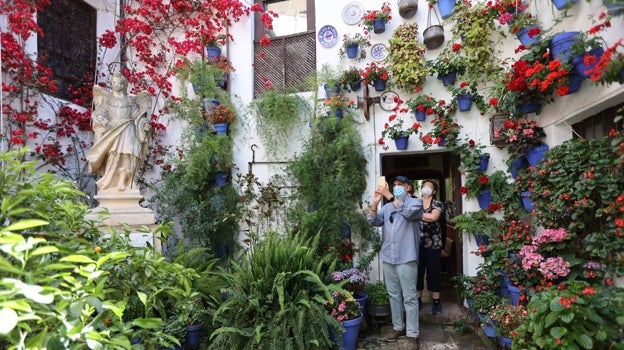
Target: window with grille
599,124
69,41
290,61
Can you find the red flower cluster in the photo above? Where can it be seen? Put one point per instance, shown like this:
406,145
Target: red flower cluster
374,71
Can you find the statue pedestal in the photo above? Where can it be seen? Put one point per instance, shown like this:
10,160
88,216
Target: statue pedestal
124,212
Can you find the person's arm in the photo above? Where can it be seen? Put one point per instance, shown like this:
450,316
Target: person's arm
431,217
410,208
372,217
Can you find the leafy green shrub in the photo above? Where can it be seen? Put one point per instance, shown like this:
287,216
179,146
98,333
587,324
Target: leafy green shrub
275,298
574,315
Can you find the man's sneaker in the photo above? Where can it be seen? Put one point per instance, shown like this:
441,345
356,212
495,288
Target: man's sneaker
393,335
436,308
413,344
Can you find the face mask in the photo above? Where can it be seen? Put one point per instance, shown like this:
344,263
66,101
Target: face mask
426,191
398,191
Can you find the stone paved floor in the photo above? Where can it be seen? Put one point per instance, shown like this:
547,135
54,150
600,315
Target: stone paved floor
453,329
437,332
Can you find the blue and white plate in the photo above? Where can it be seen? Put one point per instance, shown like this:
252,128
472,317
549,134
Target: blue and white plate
328,36
352,13
379,52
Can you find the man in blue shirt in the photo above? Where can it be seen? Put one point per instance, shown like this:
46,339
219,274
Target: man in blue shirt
399,219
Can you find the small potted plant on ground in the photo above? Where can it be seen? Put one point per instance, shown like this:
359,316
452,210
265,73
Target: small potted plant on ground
379,299
354,46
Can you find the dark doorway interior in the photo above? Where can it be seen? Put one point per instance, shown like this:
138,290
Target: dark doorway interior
442,167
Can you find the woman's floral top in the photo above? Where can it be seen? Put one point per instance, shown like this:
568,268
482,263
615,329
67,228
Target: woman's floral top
431,233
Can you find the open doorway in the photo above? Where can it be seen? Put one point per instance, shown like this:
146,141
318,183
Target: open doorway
440,166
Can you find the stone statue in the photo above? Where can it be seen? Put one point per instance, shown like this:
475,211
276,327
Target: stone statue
121,126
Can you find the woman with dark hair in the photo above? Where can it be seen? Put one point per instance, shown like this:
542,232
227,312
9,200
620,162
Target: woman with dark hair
430,245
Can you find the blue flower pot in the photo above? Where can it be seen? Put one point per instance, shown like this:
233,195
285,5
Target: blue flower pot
484,198
356,86
420,115
361,298
213,52
401,142
527,203
379,26
464,102
505,342
575,82
517,164
584,70
379,84
448,79
221,128
515,294
446,8
484,161
482,240
193,334
339,114
524,38
331,90
561,43
220,178
535,154
352,50
563,4
352,329
526,108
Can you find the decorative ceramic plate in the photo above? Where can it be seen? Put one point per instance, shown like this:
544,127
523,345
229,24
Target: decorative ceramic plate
328,36
379,52
388,100
352,13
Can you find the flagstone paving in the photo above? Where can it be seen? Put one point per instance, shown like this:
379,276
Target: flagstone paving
437,332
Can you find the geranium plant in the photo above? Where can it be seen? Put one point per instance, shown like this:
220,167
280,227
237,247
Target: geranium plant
508,318
352,279
343,306
384,14
445,128
464,88
374,71
350,77
339,102
610,65
424,103
521,135
221,114
362,41
448,61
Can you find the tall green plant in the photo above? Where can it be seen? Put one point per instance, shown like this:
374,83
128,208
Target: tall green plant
275,298
330,178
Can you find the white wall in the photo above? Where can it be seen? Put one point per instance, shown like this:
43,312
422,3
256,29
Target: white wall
554,117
